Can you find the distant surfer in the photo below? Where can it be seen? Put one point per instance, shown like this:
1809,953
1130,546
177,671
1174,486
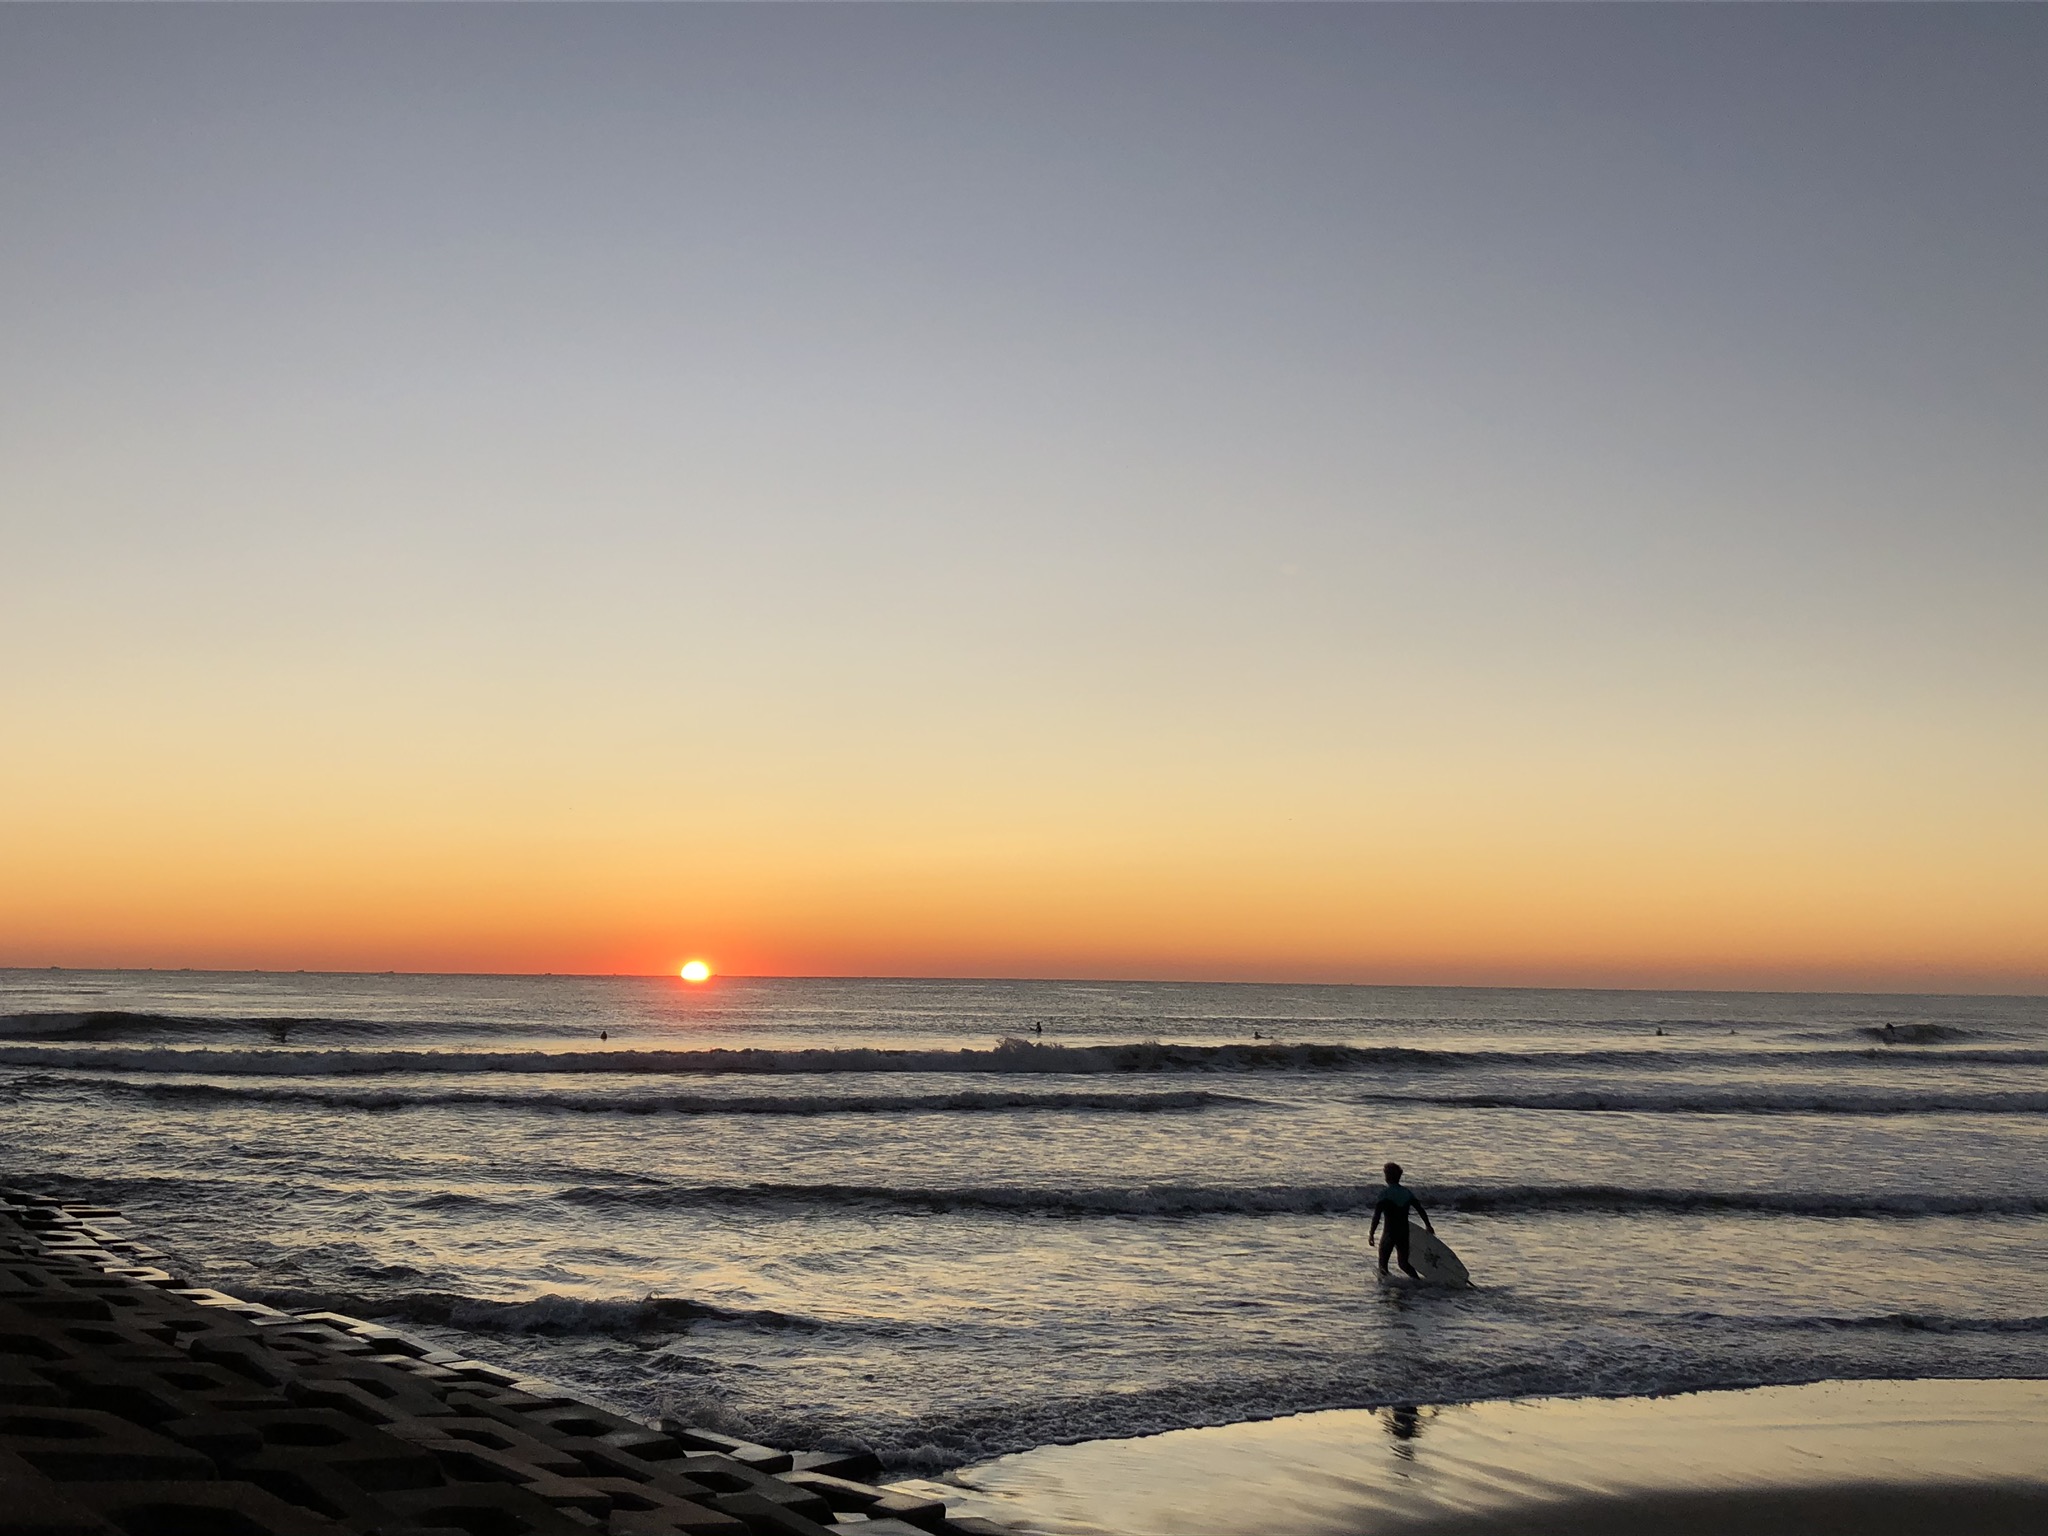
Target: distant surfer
1395,1203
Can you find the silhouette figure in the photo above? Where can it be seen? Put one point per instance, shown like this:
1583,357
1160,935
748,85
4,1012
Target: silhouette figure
1395,1203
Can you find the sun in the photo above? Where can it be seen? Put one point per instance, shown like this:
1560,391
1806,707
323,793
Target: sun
695,970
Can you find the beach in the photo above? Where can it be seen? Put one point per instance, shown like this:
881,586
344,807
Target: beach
134,1404
1892,1457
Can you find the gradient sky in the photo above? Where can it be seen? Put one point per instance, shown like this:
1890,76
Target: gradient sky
1539,494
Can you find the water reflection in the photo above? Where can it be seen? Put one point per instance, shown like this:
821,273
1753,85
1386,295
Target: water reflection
1404,1423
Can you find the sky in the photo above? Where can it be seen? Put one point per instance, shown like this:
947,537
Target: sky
1459,494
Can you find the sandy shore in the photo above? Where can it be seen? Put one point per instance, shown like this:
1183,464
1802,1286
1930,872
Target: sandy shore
1881,1458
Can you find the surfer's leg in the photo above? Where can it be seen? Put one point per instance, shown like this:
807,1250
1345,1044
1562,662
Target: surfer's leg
1386,1248
1401,1249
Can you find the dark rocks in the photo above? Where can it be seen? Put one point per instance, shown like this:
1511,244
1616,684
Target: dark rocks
84,1444
132,1404
149,1392
489,1508
21,1387
36,1506
767,1517
876,1503
854,1464
218,1508
757,1456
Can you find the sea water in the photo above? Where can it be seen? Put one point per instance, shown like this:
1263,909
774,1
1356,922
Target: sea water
947,1220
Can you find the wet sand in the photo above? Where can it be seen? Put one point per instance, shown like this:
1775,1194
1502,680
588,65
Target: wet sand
1882,1458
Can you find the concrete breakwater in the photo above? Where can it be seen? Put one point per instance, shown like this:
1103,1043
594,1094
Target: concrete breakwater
133,1403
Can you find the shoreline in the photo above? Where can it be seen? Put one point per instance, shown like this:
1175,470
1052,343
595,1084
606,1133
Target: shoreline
131,1402
1883,1457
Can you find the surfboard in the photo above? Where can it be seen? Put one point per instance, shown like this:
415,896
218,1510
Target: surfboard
1434,1263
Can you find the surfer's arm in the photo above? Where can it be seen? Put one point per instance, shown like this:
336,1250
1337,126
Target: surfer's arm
1425,1218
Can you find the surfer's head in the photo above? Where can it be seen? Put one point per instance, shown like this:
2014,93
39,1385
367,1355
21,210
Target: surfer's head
1393,1172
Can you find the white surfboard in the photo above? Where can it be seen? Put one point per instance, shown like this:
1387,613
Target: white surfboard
1434,1263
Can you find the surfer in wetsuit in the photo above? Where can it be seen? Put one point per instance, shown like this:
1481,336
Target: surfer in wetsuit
1394,1204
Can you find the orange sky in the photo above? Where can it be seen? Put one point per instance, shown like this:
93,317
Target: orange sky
1196,847
1339,493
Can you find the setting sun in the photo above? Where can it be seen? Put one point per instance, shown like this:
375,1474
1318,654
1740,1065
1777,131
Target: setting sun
695,970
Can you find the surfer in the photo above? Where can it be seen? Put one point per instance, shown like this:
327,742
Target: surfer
1394,1204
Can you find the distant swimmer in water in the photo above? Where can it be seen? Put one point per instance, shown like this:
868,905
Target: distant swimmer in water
1394,1204
604,1034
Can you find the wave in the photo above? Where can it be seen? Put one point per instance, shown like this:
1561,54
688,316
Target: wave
549,1316
644,1103
1915,1034
1883,1322
1289,1199
128,1024
557,1316
1019,1056
1788,1101
1008,1056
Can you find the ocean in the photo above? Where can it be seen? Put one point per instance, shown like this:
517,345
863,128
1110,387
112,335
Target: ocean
951,1219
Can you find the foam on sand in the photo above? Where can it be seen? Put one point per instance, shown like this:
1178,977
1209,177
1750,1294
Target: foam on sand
1891,1458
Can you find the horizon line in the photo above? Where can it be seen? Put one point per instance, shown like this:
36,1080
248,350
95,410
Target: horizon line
1385,986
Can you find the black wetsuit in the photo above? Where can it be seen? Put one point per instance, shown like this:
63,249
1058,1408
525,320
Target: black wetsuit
1393,1206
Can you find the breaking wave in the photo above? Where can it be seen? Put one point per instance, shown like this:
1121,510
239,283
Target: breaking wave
1915,1034
645,1102
1007,1056
1884,1322
1787,1101
558,1316
548,1316
130,1024
1021,1056
1274,1200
